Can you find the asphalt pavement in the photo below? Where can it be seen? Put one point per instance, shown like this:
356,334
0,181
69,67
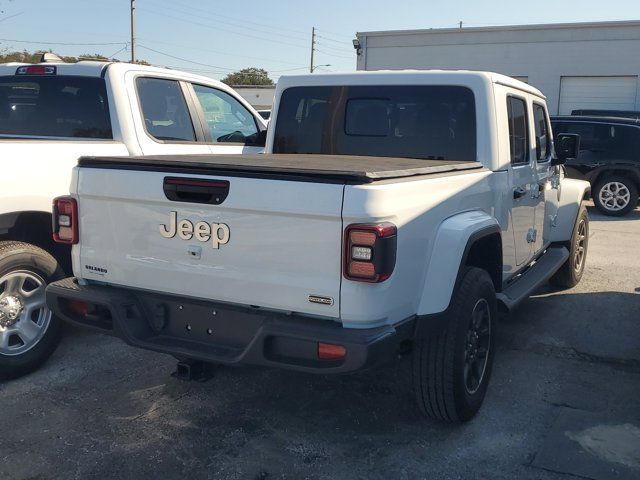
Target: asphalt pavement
564,403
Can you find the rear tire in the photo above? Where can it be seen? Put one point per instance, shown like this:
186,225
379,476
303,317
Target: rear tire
571,272
29,333
451,368
615,195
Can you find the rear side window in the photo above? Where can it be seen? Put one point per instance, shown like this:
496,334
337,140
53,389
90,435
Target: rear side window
54,106
228,120
518,130
604,139
164,109
543,139
423,121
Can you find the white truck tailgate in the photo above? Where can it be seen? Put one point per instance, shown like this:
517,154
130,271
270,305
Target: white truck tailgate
278,241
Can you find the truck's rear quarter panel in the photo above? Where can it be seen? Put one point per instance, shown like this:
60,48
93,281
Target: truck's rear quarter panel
417,207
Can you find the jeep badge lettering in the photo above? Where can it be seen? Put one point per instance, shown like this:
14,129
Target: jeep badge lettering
218,233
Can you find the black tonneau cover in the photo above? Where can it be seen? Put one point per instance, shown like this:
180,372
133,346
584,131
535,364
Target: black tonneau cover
337,168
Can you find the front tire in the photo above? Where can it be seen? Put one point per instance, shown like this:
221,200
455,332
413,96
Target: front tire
571,272
615,195
451,369
29,332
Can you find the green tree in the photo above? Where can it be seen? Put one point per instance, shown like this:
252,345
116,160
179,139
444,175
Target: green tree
248,76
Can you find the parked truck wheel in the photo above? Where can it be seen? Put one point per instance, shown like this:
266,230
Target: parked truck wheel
29,333
451,369
615,195
571,272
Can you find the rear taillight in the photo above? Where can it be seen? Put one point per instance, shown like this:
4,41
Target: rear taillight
370,252
65,220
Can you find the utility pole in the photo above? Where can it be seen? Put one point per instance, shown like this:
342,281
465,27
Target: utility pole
133,31
313,46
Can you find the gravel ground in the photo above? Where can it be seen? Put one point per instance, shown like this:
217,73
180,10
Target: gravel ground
100,409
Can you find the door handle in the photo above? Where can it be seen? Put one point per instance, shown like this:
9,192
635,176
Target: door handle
519,192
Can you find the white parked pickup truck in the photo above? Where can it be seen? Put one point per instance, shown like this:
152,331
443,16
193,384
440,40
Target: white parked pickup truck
52,113
394,212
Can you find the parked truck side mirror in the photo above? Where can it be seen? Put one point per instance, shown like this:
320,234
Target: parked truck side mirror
567,146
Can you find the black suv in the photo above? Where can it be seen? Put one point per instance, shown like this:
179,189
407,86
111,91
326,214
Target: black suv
609,158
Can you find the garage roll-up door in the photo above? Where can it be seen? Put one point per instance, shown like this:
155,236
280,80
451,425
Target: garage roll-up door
600,93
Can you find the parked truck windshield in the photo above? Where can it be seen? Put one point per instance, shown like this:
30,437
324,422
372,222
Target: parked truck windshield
430,122
54,106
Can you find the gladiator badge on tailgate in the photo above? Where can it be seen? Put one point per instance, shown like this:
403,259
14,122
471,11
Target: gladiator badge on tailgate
217,233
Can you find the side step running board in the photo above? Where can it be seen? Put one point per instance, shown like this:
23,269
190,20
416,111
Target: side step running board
531,279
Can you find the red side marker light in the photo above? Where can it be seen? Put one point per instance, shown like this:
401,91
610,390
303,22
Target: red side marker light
76,306
329,351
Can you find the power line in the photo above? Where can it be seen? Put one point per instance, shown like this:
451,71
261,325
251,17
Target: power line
332,48
209,65
341,42
11,16
184,59
333,55
336,34
227,53
200,70
242,25
217,29
243,21
34,42
121,50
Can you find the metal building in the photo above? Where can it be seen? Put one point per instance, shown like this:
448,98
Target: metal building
259,96
576,65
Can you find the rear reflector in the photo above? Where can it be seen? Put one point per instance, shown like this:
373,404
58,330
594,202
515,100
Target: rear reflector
362,269
76,306
329,351
65,220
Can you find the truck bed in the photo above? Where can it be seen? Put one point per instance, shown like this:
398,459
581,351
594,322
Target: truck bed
327,168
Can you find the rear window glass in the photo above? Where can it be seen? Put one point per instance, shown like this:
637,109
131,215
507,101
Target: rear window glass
165,112
430,122
614,141
60,106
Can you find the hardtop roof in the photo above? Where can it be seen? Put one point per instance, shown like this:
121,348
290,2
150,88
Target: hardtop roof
595,118
90,68
405,77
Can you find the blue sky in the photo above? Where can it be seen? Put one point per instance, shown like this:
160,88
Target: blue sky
213,37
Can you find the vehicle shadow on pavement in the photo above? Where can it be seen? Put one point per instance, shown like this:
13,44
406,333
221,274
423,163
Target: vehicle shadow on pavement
595,215
596,325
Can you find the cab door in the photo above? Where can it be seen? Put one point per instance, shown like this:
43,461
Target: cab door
523,176
547,202
165,122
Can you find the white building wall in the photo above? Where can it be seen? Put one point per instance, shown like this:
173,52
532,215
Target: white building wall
260,97
542,53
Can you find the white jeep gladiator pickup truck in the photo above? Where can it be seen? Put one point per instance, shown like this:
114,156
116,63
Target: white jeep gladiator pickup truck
394,212
51,113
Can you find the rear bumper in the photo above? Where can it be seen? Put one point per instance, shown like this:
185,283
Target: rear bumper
222,333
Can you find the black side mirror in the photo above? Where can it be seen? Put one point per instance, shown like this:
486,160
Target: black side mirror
567,146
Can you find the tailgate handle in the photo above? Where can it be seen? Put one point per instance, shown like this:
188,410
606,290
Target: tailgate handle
195,190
